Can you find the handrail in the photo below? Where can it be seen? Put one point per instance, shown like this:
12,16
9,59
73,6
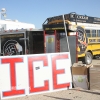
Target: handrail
58,21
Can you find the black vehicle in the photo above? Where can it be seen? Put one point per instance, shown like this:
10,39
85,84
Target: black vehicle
21,42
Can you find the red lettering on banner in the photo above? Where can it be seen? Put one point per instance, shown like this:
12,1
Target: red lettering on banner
12,62
60,71
31,73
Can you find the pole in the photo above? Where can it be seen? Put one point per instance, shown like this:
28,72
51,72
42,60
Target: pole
0,16
66,32
66,36
76,18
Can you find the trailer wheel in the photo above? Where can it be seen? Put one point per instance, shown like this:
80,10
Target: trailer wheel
88,58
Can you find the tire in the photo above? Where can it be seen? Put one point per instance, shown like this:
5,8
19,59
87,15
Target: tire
88,58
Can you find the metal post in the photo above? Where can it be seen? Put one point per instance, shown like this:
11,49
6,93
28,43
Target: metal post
66,32
66,36
3,13
25,42
76,18
0,16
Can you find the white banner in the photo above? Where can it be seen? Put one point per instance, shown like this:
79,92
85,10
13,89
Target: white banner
34,74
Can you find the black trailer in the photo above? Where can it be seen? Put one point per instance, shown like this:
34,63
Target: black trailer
21,42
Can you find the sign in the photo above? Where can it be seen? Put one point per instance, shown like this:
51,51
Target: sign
34,74
50,39
84,19
75,17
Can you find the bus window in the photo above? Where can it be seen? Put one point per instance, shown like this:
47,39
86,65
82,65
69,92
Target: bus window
88,33
98,33
93,33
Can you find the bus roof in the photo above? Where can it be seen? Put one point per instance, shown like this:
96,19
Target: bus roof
72,18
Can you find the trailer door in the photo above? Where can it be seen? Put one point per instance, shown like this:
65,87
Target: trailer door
35,42
50,44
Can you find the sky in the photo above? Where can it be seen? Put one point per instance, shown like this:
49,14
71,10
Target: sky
36,11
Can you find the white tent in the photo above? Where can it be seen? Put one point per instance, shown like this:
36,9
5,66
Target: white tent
14,24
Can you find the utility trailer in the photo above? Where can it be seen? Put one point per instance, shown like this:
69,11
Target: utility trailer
21,42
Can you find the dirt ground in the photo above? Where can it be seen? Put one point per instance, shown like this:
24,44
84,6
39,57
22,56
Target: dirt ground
96,62
72,94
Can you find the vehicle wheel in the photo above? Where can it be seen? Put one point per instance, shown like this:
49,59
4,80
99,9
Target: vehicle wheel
88,58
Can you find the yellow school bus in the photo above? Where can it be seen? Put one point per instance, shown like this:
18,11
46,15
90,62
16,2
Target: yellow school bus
85,28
